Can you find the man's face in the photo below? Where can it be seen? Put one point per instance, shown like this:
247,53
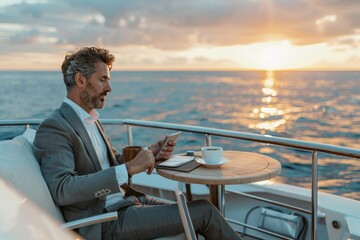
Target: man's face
97,86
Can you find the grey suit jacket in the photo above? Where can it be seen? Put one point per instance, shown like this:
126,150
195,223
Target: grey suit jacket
71,168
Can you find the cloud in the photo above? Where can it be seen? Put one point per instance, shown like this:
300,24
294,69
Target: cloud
173,24
27,37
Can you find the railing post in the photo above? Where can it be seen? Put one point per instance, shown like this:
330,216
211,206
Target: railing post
208,140
130,136
130,143
314,194
221,199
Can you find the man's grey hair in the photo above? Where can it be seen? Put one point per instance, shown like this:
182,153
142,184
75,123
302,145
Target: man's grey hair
83,61
73,68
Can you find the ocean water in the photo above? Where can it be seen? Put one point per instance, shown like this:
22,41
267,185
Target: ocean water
318,106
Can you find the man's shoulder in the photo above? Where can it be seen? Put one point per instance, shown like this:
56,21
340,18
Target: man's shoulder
58,116
56,121
53,118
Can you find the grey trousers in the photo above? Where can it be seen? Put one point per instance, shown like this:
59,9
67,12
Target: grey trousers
151,219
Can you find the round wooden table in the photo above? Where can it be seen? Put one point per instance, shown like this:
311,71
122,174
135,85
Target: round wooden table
241,167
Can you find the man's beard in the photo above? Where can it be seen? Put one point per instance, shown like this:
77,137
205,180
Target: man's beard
91,98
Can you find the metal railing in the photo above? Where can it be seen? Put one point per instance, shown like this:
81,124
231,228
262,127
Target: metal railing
208,132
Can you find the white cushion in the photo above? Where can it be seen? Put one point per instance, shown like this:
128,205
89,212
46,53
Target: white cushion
19,168
29,134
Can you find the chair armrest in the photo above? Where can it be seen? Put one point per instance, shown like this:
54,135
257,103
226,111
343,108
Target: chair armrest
105,217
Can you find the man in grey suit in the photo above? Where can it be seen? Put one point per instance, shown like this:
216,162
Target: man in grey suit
87,176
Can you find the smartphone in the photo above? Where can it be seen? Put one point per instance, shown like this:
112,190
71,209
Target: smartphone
173,137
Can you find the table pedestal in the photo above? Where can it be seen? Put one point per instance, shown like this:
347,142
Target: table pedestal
217,197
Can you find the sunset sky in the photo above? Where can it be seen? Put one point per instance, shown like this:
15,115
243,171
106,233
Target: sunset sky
184,34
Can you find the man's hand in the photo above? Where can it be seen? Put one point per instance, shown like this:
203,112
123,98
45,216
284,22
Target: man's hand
166,152
144,160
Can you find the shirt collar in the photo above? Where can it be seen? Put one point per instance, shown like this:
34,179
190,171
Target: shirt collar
82,114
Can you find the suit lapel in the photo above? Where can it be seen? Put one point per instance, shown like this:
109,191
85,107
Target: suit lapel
112,159
70,115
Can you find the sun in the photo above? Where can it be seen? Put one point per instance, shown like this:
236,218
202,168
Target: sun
272,55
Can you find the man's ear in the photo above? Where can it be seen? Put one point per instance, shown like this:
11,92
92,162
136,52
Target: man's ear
79,79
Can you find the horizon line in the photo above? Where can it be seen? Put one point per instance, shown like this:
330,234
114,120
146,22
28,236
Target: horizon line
198,70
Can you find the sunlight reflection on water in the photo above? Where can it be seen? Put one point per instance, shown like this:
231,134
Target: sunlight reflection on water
268,116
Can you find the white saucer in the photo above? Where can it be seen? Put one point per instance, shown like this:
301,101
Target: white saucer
208,165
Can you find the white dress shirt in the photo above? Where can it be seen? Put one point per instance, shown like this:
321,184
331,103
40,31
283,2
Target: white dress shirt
100,148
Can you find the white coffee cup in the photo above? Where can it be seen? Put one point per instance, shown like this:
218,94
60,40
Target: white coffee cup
211,154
